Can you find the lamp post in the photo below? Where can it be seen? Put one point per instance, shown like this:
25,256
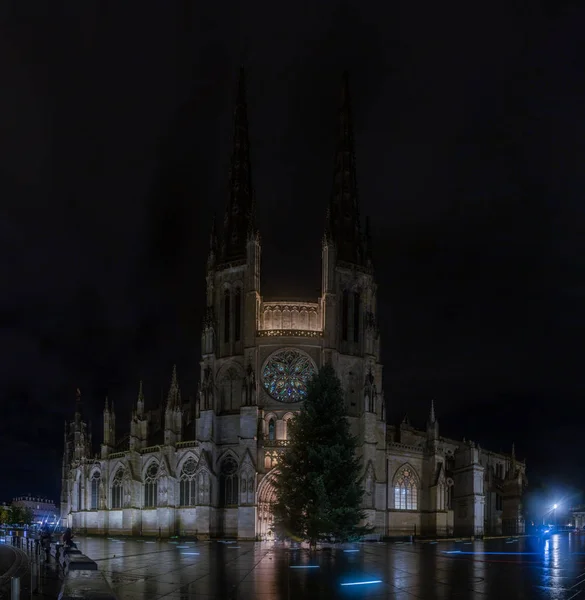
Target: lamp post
555,514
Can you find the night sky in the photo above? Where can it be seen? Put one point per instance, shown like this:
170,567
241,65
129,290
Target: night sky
116,125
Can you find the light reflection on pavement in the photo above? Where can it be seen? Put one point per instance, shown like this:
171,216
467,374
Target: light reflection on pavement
529,568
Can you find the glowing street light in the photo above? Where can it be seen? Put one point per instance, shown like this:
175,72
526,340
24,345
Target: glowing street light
555,506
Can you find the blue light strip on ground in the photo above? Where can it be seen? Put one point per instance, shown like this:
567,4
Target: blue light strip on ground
496,553
304,566
363,582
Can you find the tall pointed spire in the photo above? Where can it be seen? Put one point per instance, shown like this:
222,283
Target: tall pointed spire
239,215
174,396
78,406
343,218
432,417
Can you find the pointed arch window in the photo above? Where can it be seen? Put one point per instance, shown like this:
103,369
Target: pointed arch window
271,430
405,490
79,495
204,487
187,484
226,316
151,486
344,314
95,490
118,489
285,429
237,314
356,317
228,490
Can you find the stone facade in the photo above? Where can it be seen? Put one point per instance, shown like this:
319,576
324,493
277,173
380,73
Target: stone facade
206,468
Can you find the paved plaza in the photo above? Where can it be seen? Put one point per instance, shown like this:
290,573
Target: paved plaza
527,568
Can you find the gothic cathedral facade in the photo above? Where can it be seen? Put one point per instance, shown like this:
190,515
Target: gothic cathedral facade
206,468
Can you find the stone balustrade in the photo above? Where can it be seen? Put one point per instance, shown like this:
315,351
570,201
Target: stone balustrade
275,443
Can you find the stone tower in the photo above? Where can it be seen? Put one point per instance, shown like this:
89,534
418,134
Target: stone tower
350,329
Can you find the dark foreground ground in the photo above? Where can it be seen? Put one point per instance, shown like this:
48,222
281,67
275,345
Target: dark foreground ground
528,568
15,562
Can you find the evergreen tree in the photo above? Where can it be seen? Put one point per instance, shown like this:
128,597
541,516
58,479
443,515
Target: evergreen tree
318,488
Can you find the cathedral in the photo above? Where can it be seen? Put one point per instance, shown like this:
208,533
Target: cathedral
206,468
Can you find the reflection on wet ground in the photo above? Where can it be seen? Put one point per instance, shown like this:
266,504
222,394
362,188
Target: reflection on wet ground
529,568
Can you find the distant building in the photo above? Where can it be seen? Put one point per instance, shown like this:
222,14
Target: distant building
579,516
206,467
44,511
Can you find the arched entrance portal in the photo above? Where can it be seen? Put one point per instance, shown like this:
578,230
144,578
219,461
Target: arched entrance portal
266,499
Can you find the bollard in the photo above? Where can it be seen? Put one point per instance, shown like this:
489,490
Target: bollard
15,588
33,576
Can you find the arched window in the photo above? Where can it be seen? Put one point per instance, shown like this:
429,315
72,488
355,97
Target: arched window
344,314
356,317
187,484
79,495
204,487
285,429
230,388
405,490
226,316
95,490
228,489
151,486
118,489
237,314
271,430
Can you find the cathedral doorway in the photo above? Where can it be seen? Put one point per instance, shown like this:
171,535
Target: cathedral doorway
266,499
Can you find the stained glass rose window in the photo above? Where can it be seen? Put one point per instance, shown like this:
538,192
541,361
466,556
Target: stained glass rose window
286,374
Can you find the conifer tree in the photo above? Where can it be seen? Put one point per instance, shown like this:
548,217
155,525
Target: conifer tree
318,488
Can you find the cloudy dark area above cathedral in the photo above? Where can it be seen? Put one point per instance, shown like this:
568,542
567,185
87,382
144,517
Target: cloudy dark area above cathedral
464,154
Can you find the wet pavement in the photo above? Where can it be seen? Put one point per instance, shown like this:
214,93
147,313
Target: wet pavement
526,568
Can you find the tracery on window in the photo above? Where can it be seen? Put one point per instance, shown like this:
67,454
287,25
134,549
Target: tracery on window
151,486
238,314
228,484
405,490
286,374
231,390
188,483
247,487
285,428
95,490
226,316
79,495
118,489
204,487
344,314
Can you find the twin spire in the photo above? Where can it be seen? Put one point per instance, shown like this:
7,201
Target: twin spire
342,226
239,218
